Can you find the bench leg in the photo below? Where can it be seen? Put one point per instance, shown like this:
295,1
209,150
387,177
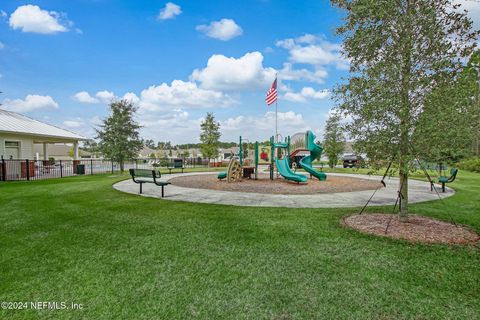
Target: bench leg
431,186
443,186
141,184
162,192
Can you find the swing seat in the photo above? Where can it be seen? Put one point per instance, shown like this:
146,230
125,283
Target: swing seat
443,179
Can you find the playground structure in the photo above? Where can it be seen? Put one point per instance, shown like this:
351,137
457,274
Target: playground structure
240,165
277,156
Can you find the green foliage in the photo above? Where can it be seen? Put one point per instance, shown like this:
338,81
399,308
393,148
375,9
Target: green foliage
399,52
209,136
118,136
472,164
149,143
164,161
333,139
444,129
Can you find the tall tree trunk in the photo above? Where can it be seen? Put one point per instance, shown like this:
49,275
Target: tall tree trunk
405,117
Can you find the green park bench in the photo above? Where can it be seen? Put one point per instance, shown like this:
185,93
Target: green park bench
142,176
443,179
177,164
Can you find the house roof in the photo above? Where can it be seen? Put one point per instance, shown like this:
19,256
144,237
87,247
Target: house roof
12,122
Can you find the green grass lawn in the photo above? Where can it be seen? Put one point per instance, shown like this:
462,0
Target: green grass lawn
127,257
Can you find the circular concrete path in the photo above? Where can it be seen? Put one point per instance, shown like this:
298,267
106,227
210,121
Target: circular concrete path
418,192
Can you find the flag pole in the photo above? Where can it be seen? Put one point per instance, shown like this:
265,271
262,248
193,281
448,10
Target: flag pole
276,110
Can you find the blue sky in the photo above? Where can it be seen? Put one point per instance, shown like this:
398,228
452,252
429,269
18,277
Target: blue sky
63,61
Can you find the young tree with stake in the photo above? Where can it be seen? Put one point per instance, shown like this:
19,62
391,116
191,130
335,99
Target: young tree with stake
333,139
118,136
399,52
209,137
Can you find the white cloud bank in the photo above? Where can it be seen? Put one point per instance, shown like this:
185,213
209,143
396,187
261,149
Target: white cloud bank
170,11
306,93
30,18
164,97
261,127
101,96
314,50
179,93
30,103
244,73
224,30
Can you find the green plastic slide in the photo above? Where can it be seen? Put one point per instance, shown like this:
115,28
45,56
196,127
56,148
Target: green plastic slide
315,152
284,169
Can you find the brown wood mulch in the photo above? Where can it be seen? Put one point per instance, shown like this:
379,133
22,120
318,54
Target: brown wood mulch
277,186
415,229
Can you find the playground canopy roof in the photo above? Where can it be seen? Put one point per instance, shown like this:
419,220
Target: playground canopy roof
15,123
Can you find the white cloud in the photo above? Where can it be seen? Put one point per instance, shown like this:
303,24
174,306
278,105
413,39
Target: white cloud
30,103
85,97
170,11
306,93
2,46
73,123
105,96
132,97
101,96
30,18
224,29
3,14
314,50
180,94
174,125
288,73
223,73
261,127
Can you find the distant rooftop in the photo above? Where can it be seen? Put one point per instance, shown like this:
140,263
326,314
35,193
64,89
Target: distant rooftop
12,122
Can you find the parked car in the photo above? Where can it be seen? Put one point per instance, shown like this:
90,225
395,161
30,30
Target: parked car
352,161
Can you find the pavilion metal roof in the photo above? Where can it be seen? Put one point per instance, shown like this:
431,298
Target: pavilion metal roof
12,122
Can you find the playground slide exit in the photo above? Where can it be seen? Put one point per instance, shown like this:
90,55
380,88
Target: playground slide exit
315,152
285,171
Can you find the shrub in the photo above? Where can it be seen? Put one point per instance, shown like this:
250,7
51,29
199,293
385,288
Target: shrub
472,164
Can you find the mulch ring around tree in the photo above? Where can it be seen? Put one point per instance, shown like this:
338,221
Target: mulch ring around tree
415,229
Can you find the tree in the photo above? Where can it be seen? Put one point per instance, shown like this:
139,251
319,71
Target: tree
471,80
333,139
209,136
444,130
399,52
149,143
118,136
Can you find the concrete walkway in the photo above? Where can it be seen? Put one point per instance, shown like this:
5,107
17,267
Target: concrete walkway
418,192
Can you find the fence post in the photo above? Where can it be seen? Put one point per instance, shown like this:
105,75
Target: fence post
27,163
112,166
91,166
136,164
4,169
61,169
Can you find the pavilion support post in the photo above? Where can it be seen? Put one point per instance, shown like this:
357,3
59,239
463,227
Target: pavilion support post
45,151
75,150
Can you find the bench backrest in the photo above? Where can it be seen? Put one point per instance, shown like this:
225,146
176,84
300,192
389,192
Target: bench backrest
453,174
177,163
147,173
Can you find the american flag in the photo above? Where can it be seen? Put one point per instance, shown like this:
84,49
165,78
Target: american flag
272,93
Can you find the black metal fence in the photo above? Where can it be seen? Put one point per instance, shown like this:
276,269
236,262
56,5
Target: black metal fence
25,169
